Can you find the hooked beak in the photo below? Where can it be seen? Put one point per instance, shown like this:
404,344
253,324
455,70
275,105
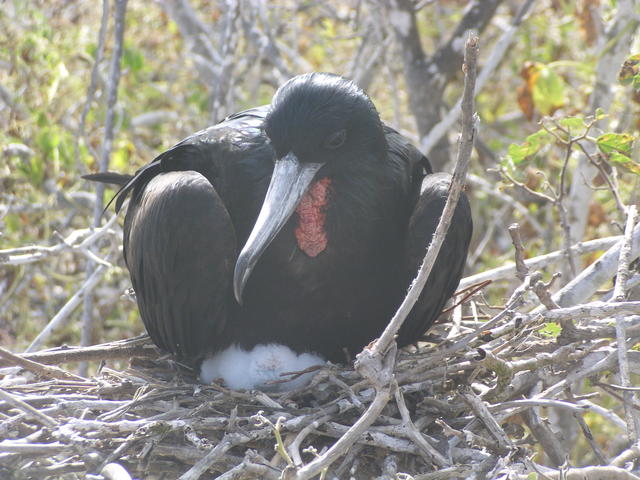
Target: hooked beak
289,183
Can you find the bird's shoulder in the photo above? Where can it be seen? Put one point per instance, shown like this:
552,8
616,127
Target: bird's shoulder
225,145
402,152
408,164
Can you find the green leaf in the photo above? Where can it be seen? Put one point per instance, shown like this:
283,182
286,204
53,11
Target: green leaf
531,146
625,162
551,329
572,123
600,114
548,90
121,156
615,142
132,58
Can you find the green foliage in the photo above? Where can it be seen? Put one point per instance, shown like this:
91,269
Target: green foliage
573,123
618,148
132,58
550,330
620,143
531,146
548,89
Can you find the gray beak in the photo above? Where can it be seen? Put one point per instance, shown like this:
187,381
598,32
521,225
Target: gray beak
288,185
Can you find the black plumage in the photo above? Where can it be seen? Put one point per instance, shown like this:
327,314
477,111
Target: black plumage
323,268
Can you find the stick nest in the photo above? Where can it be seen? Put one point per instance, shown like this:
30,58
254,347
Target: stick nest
469,406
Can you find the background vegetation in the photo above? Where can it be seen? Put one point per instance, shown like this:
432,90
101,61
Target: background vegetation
553,114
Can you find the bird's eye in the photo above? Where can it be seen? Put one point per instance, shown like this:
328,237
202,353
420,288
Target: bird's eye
336,139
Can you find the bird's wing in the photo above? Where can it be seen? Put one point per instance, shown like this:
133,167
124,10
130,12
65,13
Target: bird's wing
409,167
447,270
195,151
180,237
180,248
425,195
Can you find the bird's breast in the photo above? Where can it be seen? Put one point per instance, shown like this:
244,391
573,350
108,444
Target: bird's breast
310,233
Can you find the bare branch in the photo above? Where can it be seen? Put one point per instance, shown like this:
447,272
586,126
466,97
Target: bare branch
63,314
542,261
438,131
585,284
105,155
464,154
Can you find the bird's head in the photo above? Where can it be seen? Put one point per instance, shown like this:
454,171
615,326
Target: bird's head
316,121
323,118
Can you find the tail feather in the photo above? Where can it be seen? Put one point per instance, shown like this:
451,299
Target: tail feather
111,178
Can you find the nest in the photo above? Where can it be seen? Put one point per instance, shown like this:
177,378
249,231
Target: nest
469,405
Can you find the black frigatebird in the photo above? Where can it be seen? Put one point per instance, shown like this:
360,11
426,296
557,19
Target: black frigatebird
286,235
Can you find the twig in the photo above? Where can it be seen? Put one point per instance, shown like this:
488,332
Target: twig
105,154
48,449
380,375
536,263
586,431
489,421
414,434
592,473
294,446
24,255
619,294
521,268
229,441
137,347
547,439
63,314
28,409
251,467
541,290
38,368
585,284
438,131
93,84
467,135
622,275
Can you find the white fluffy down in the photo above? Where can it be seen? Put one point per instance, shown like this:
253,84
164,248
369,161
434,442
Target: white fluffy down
255,369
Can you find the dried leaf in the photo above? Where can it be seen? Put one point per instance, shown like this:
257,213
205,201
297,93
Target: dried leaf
630,72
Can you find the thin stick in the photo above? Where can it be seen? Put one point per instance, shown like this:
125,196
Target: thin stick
37,368
107,351
105,154
619,294
349,438
521,268
93,84
536,263
469,121
46,420
622,276
497,54
31,254
63,314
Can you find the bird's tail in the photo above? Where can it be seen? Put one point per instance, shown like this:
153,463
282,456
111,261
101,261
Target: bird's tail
111,178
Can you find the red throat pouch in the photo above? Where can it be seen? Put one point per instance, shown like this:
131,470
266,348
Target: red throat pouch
310,232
